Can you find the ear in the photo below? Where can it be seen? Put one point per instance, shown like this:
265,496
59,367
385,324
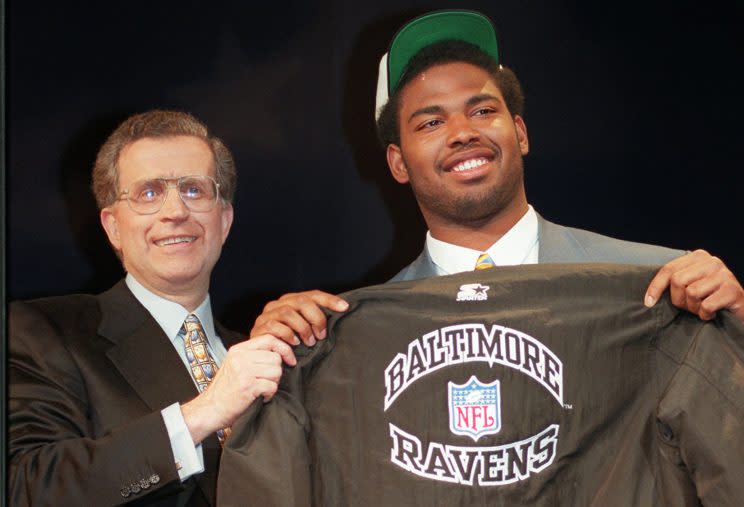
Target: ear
524,142
396,164
111,226
227,220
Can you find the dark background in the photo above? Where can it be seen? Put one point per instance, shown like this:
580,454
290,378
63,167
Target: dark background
633,112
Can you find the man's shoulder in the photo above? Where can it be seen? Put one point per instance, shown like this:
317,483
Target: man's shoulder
559,243
562,244
71,301
57,307
45,330
403,274
69,311
421,267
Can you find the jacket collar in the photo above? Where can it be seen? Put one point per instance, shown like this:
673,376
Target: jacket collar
557,244
141,352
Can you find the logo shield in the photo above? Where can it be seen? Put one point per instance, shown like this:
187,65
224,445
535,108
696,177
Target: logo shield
474,408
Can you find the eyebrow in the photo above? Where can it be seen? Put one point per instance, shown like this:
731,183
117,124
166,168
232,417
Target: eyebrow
472,101
483,97
426,110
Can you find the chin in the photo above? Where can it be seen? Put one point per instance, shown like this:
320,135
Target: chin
181,275
468,208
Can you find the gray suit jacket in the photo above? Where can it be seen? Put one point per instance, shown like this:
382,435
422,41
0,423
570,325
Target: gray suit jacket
565,244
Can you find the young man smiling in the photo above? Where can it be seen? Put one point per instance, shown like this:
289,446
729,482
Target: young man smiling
450,118
463,154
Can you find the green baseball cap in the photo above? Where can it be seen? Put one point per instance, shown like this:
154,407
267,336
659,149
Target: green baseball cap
428,29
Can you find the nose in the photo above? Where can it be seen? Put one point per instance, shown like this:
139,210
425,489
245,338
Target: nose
173,207
461,130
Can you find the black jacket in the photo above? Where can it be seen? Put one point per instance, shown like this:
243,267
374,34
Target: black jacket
535,385
89,376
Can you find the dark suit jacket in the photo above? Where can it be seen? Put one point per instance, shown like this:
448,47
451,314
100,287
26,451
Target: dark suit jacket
559,244
89,376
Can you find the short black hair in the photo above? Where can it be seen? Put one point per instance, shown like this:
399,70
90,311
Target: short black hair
440,53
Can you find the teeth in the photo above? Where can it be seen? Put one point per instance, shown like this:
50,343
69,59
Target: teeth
173,241
470,164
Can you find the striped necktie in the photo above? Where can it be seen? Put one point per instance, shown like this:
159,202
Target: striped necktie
202,365
484,262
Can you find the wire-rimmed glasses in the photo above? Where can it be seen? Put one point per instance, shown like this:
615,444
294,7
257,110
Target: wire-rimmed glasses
198,193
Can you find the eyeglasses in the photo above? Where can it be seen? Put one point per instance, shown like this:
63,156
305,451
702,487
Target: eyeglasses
198,193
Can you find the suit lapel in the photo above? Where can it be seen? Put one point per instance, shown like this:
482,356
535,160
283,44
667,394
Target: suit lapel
141,352
557,244
422,267
228,336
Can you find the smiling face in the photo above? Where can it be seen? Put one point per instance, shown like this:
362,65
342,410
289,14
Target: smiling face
460,149
171,252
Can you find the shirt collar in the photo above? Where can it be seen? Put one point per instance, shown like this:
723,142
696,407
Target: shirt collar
168,314
518,246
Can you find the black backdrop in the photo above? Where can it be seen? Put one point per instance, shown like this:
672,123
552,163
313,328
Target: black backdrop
633,112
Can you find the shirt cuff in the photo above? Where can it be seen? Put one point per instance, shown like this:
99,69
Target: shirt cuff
187,456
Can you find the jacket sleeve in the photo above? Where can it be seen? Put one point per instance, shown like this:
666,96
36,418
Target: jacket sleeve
701,415
56,454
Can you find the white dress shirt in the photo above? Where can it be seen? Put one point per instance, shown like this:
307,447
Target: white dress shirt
520,245
188,457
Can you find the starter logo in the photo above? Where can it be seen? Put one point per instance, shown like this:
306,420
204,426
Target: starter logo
473,292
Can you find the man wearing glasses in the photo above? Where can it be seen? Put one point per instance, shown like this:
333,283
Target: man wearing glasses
128,395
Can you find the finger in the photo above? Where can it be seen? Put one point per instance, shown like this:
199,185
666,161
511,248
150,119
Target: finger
287,355
291,317
679,273
737,308
310,305
271,372
728,296
690,258
706,314
268,342
678,293
264,388
264,342
251,358
658,285
320,298
306,318
323,299
313,314
281,331
691,284
704,287
283,312
331,301
693,305
710,267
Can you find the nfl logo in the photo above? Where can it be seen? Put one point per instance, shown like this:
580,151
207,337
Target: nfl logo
474,408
